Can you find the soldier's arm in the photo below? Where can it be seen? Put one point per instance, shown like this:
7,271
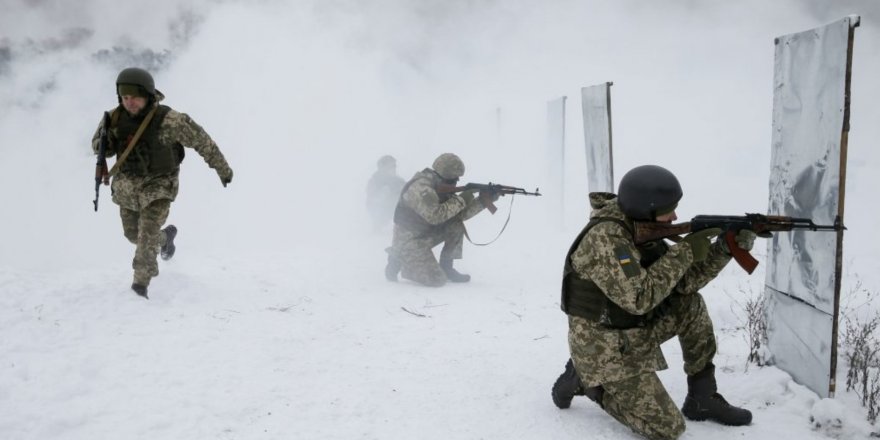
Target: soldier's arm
423,199
608,256
179,127
705,271
474,206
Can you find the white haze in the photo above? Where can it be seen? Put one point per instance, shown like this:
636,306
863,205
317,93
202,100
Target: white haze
303,97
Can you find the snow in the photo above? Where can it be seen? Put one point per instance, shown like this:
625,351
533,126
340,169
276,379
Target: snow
273,320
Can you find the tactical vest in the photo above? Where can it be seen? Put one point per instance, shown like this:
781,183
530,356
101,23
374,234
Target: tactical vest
409,218
582,297
150,157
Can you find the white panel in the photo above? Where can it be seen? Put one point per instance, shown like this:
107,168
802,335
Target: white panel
809,119
556,154
596,105
796,327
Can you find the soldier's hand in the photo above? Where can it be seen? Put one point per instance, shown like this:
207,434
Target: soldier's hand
745,240
225,177
467,196
490,195
700,242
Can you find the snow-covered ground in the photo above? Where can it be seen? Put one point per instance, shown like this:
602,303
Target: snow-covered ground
274,320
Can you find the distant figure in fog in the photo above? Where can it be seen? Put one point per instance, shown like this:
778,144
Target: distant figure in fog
383,190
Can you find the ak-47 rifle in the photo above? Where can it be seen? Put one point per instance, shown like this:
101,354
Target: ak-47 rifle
102,174
487,192
761,224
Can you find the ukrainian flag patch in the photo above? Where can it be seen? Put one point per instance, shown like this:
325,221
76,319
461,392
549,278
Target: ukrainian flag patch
627,263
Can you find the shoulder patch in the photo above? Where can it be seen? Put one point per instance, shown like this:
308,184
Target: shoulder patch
627,263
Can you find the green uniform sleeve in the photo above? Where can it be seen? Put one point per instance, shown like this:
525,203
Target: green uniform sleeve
179,127
424,200
705,271
608,257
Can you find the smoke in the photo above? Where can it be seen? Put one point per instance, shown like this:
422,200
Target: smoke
303,96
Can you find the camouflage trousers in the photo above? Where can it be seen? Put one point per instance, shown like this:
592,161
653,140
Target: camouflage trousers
144,229
641,402
416,255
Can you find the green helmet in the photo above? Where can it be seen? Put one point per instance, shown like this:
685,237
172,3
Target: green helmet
135,76
648,190
448,166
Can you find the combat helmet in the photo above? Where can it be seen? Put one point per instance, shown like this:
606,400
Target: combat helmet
647,191
448,166
135,76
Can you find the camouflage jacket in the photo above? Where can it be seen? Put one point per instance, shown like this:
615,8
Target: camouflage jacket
420,206
601,256
134,192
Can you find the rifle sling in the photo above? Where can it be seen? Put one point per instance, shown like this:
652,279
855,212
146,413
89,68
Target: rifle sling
134,140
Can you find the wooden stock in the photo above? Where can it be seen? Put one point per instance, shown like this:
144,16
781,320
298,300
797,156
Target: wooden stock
650,231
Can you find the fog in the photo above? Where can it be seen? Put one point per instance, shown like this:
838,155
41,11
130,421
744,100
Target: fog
303,97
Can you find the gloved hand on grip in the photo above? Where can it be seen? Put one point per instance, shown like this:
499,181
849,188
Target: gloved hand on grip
745,239
490,195
700,242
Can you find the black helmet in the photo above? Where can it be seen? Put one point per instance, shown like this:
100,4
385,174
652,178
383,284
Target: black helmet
648,190
137,77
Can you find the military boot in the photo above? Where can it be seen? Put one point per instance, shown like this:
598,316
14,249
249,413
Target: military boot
704,403
566,387
140,289
452,274
167,250
392,268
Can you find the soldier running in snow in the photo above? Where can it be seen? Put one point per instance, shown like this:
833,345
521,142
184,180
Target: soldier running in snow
624,300
425,218
148,140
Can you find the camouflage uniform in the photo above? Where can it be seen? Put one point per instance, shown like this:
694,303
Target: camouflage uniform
623,359
144,195
422,220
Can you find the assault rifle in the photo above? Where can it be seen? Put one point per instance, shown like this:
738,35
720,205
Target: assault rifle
761,224
487,192
102,175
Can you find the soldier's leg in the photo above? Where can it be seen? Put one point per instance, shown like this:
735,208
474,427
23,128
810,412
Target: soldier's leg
418,262
150,239
642,404
453,238
686,316
129,224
